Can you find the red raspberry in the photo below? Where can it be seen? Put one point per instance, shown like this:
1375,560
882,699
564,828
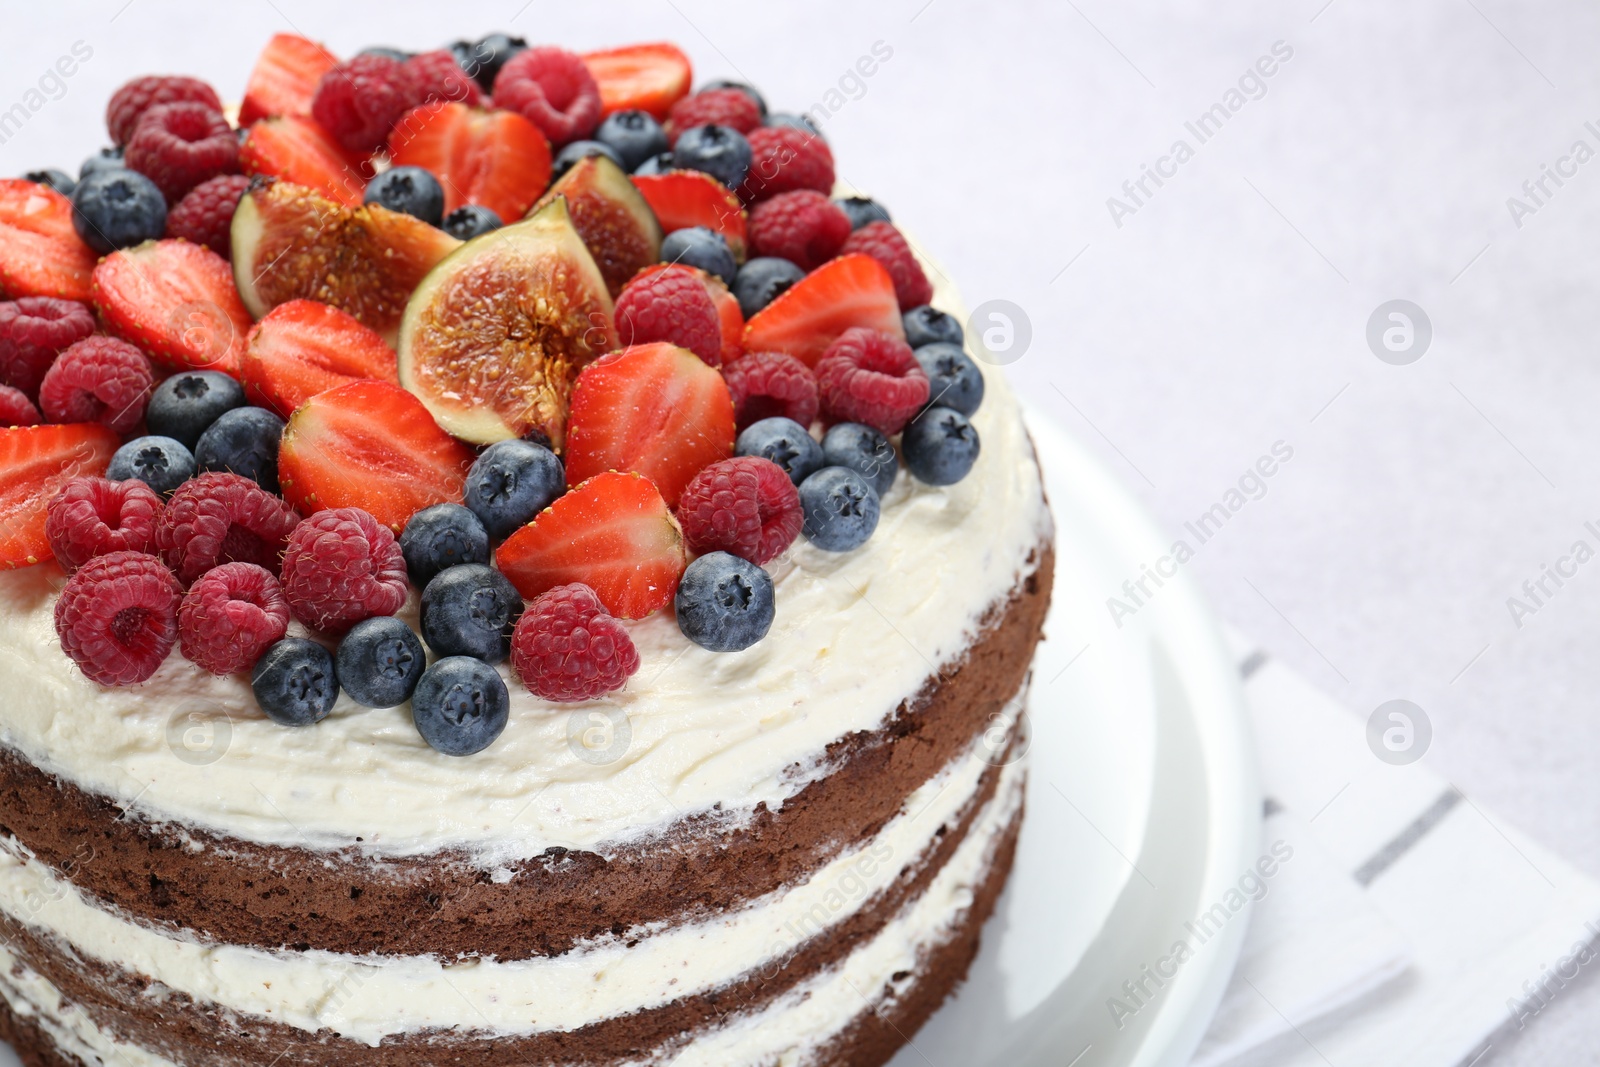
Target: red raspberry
343,566
92,517
99,379
129,103
178,146
16,409
765,384
783,159
673,306
888,246
360,101
804,227
219,518
733,108
230,616
746,505
33,331
872,377
437,76
205,214
118,617
567,648
553,89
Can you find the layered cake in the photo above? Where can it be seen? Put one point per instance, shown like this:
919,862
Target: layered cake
561,594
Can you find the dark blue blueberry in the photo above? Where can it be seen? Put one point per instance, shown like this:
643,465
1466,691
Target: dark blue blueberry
379,662
441,537
724,603
568,157
460,705
862,210
864,450
482,59
469,221
114,209
159,462
295,682
656,164
719,151
108,158
396,54
940,446
840,509
511,482
760,280
244,441
59,180
469,611
954,380
635,136
703,247
186,404
786,443
748,90
800,122
926,324
410,191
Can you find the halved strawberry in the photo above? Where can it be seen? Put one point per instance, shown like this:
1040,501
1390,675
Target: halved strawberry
685,198
303,348
852,290
176,301
650,77
40,253
614,534
35,462
297,150
370,445
729,316
495,158
285,78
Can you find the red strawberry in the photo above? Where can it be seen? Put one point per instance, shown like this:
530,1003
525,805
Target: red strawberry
40,253
35,463
297,150
656,410
853,290
370,445
285,78
613,533
176,301
649,77
303,348
685,198
495,158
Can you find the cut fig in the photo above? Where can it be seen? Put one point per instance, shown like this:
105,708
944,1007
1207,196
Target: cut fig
614,221
494,337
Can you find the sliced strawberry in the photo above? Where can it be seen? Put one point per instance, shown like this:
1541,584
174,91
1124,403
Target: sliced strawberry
657,410
685,198
370,445
40,253
297,150
729,317
649,77
614,534
303,348
285,78
495,158
176,301
852,290
35,462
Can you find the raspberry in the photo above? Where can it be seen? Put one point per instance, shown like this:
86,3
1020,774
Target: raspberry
92,517
221,518
178,146
205,214
567,648
360,101
230,616
765,384
129,103
343,566
872,377
16,409
888,246
99,379
804,227
118,617
746,506
438,77
33,331
783,159
553,89
721,107
673,306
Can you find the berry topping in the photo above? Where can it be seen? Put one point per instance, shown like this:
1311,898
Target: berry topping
762,280
302,348
178,146
496,159
484,57
469,221
118,617
342,566
669,306
130,103
35,462
161,463
92,517
205,214
175,300
749,90
872,377
33,331
360,101
243,441
764,384
469,611
41,253
720,151
567,648
661,163
441,537
954,380
746,505
862,210
295,682
285,78
784,442
223,518
183,406
578,151
297,150
460,705
884,243
647,77
841,509
633,135
551,88
864,450
782,160
702,247
230,616
511,482
59,180
108,158
940,446
685,198
804,227
410,191
725,603
99,379
379,662
926,324
733,108
119,208
439,78
16,409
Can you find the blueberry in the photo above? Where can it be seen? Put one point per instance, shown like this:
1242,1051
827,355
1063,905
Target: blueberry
469,611
379,662
244,441
114,209
184,405
469,221
940,446
410,191
800,122
108,158
460,705
656,164
635,136
396,54
862,210
441,537
295,682
59,180
864,450
954,381
786,443
703,247
482,59
511,482
760,280
748,90
840,509
568,157
926,324
724,603
719,151
159,462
